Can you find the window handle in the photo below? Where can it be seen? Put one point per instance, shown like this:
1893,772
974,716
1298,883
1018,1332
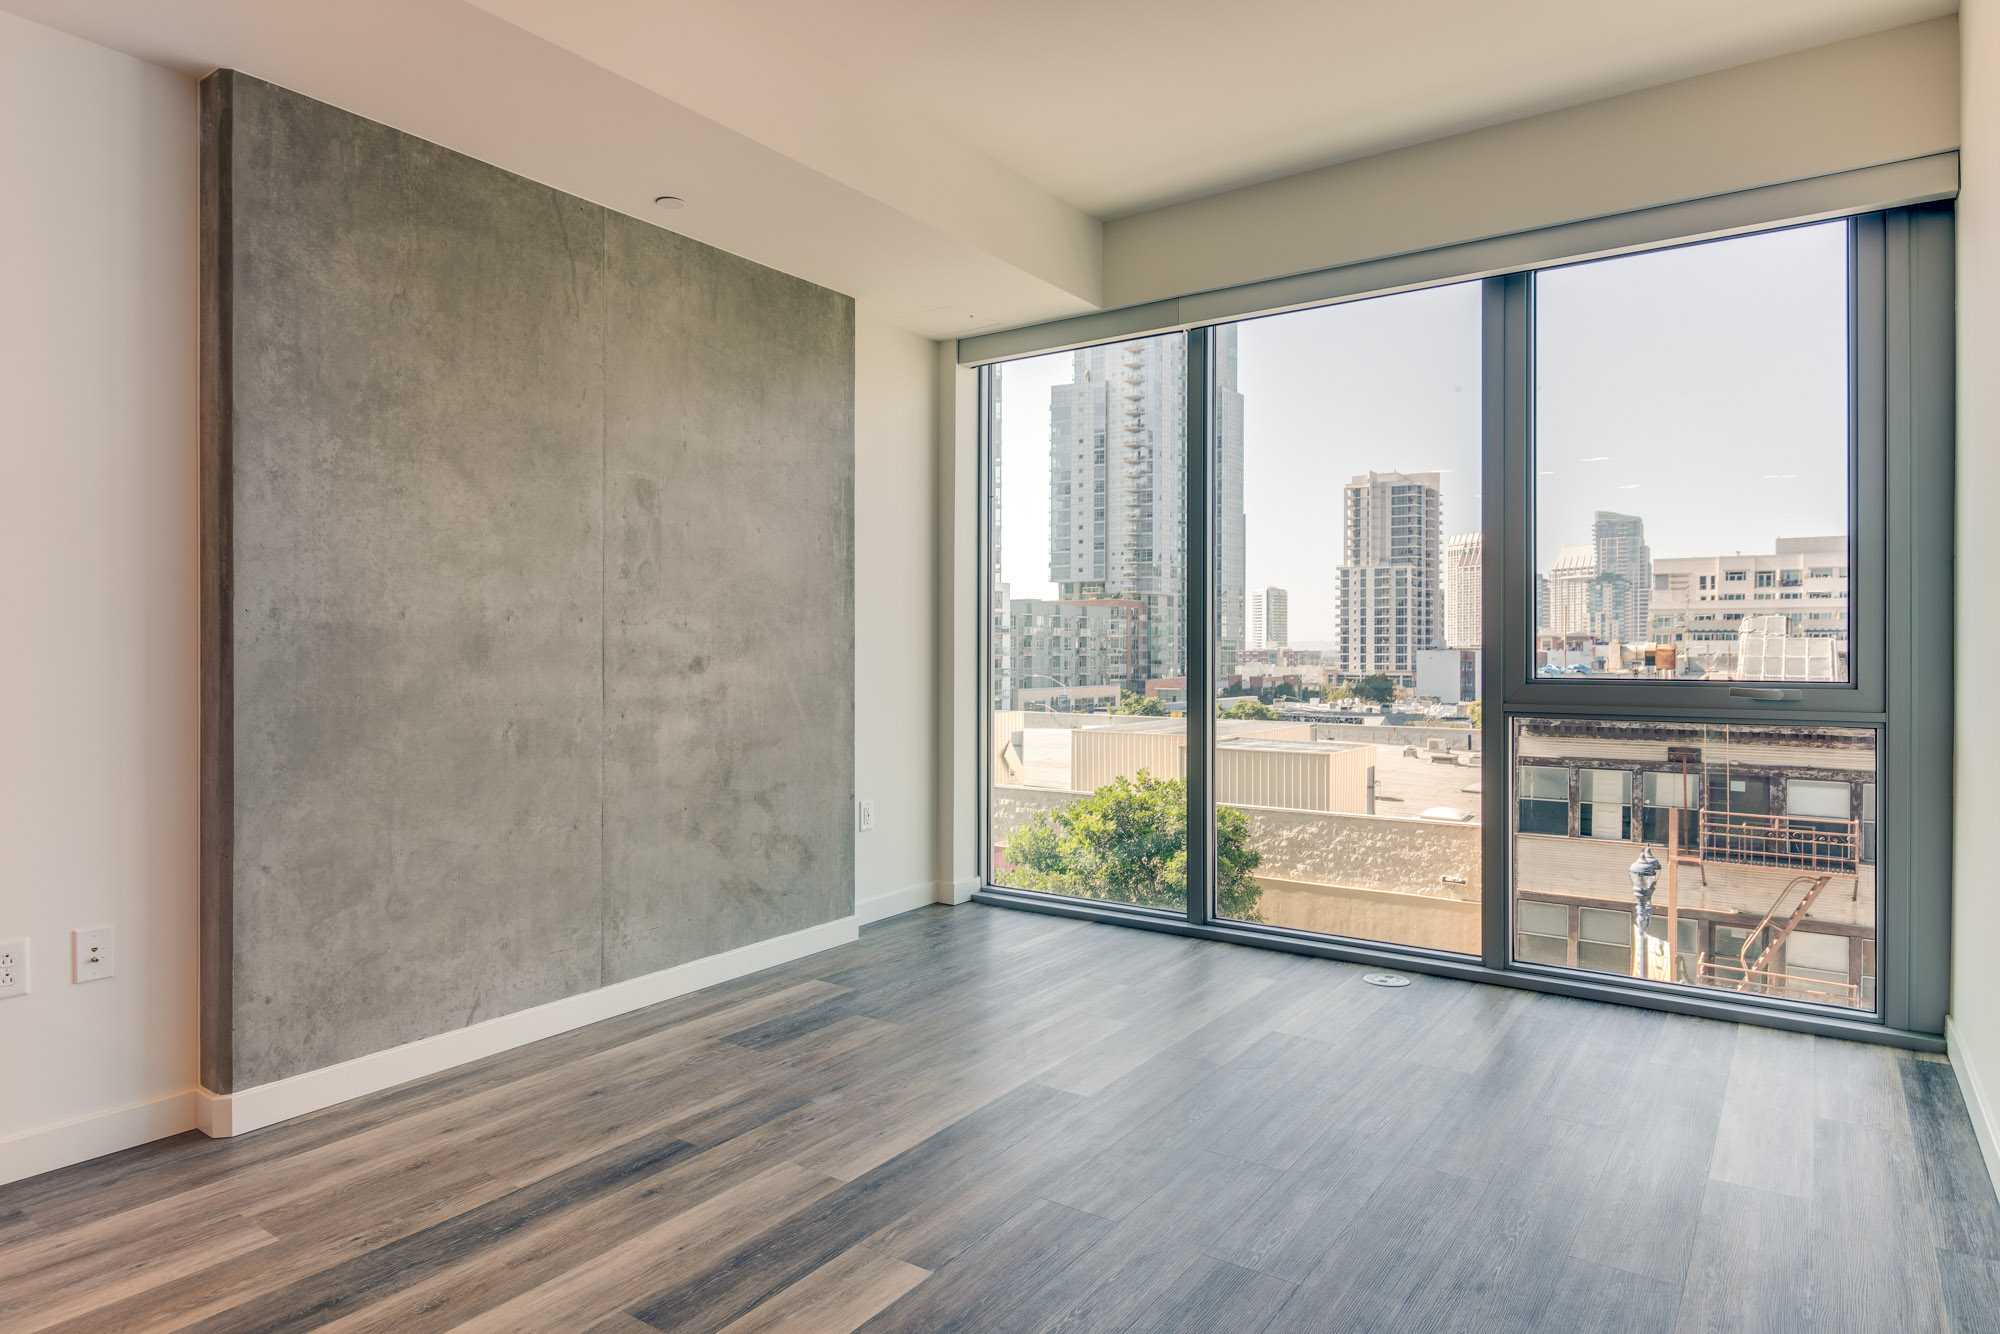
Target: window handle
1763,692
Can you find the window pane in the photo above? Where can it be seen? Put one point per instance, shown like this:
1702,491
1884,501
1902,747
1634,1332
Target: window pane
1548,919
1613,785
1089,741
1810,797
1348,619
1691,462
1766,886
1543,783
1669,789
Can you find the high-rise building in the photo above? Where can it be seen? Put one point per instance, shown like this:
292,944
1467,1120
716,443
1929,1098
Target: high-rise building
1269,622
1118,440
1618,544
1389,580
1569,596
1463,589
1002,630
1075,645
1231,559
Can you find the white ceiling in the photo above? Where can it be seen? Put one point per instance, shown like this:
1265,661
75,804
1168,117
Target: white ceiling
1119,105
948,164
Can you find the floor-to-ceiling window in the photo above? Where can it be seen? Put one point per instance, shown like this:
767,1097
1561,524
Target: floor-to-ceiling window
1588,621
1087,529
1347,774
1697,479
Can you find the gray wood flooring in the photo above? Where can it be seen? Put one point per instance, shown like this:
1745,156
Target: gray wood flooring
984,1120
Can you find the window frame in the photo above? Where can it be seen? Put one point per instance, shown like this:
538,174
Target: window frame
1865,690
1899,537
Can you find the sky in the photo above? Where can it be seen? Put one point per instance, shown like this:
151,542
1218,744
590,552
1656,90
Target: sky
1702,388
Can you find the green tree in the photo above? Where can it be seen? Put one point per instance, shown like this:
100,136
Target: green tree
1377,689
1145,706
1247,708
1474,712
1127,843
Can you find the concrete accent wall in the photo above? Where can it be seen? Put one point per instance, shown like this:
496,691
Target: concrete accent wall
532,631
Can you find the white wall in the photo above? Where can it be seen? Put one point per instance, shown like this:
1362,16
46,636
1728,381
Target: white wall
1851,104
99,513
98,591
1975,968
895,613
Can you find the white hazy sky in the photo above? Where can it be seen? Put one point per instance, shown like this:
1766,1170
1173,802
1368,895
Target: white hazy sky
1702,388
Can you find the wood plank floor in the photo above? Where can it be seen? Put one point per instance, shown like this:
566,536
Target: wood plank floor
984,1120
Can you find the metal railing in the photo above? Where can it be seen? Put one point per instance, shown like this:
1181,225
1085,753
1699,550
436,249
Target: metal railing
1769,982
1796,842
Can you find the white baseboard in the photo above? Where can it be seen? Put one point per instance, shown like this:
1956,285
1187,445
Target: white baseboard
877,906
1978,1104
957,891
44,1149
221,1115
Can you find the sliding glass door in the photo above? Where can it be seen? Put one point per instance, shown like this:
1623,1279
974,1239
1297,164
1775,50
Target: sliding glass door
1584,628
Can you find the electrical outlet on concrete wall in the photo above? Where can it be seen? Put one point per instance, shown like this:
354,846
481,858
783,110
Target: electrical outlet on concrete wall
94,956
14,967
867,818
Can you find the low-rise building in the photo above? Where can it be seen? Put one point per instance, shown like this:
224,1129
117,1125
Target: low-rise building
1701,604
1448,675
1765,835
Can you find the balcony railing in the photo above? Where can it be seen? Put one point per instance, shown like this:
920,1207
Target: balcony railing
1768,982
1790,841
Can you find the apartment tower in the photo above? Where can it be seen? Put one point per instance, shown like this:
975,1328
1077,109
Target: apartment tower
1118,442
1390,577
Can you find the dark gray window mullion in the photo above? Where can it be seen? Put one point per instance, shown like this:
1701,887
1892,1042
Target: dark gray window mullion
1507,591
1913,906
1201,629
982,702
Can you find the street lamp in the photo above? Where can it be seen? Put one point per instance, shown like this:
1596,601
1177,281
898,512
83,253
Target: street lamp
1645,879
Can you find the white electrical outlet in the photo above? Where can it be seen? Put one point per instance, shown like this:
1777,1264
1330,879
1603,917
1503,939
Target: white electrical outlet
867,816
94,955
14,967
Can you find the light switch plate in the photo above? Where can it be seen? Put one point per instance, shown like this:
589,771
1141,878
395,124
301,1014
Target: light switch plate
867,816
95,957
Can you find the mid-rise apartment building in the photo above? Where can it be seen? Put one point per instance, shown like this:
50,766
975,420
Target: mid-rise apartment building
1390,578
